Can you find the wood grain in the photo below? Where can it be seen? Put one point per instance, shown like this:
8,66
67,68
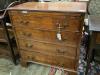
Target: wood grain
52,6
36,26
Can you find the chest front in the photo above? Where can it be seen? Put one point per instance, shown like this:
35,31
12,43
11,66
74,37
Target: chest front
48,37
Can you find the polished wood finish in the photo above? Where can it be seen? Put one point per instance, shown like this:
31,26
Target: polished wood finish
48,48
52,6
68,38
51,22
49,33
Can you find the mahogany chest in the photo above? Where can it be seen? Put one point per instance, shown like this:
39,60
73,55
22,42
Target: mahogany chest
49,33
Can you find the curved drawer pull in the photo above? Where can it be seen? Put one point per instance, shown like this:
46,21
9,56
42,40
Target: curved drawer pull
29,45
29,34
26,34
22,33
60,51
59,26
24,22
28,57
64,39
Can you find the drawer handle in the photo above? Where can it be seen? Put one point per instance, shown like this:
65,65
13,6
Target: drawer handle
29,34
29,45
59,26
60,51
65,25
29,57
64,39
24,22
26,34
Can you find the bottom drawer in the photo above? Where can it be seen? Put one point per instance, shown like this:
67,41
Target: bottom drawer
59,61
51,49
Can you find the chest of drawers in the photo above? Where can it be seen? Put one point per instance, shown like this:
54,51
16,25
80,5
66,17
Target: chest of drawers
49,33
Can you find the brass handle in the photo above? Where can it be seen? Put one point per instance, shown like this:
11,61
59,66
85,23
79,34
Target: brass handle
59,26
29,57
22,33
64,39
24,22
65,25
26,34
60,51
29,45
29,34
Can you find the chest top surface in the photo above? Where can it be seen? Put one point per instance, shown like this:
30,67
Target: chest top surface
52,6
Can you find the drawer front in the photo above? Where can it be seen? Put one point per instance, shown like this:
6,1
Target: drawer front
47,48
64,37
47,21
98,38
48,59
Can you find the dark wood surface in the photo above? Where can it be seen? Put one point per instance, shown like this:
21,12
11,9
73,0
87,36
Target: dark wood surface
37,33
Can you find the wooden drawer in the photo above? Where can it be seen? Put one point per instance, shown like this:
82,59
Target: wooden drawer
46,20
51,49
98,38
67,38
48,59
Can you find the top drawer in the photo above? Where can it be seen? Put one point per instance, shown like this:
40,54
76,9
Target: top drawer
47,20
